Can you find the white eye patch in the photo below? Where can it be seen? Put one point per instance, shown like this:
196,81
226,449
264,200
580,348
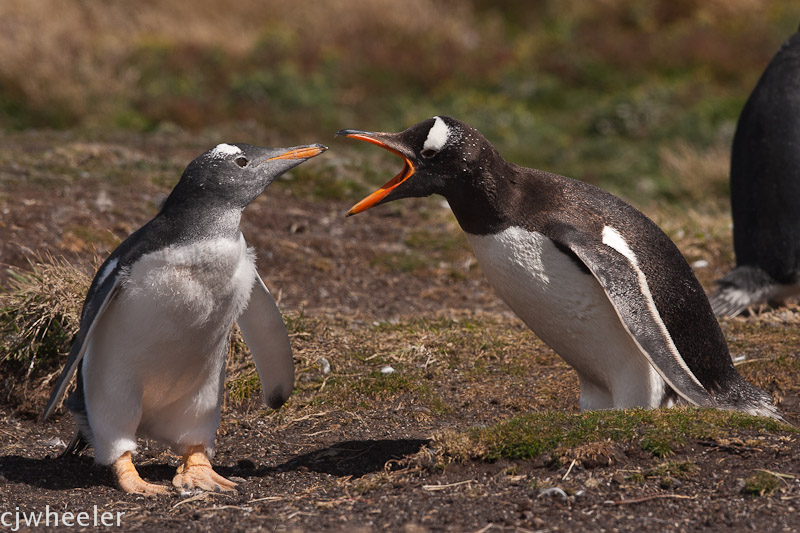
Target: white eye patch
438,135
222,150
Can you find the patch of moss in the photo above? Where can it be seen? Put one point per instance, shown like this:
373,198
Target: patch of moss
659,432
636,477
669,471
761,484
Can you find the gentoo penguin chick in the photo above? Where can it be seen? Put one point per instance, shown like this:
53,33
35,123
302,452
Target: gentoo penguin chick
765,188
593,277
155,326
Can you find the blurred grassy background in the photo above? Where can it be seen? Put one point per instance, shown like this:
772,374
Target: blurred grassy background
640,97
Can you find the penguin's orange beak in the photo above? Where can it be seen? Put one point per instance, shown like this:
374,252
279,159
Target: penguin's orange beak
376,197
303,152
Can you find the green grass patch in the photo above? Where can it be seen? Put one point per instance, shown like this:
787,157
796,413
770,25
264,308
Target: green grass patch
243,388
378,385
383,386
660,432
301,325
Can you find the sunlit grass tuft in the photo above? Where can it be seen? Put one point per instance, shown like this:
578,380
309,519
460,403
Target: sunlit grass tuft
39,314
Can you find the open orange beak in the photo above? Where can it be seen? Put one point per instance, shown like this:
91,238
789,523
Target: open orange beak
303,152
376,197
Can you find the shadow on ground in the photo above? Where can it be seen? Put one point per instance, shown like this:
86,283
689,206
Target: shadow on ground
61,473
348,458
354,458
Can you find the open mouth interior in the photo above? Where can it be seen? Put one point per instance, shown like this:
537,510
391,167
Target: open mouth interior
375,198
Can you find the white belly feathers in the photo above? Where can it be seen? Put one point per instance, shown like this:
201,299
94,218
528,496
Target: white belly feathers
205,280
568,309
162,344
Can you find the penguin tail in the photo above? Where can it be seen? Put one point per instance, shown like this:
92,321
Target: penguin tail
76,445
740,288
748,399
767,410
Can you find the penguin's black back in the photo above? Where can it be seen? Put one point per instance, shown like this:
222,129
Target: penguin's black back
765,170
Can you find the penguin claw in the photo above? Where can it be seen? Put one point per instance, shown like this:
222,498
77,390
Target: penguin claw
196,472
129,480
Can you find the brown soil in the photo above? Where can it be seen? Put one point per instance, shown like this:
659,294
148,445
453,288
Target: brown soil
361,461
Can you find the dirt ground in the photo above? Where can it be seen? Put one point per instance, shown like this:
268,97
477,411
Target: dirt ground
394,286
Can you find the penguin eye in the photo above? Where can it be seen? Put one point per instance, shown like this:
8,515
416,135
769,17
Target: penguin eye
241,161
427,153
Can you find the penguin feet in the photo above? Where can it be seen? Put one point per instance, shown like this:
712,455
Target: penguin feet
741,288
196,472
129,480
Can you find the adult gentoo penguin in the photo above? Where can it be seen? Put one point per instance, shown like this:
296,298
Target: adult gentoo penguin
765,188
593,277
150,352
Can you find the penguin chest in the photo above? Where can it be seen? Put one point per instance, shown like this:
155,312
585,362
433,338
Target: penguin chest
198,287
566,307
167,331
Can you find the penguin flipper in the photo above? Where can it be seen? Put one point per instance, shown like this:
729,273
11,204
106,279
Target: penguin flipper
76,445
265,334
91,316
614,265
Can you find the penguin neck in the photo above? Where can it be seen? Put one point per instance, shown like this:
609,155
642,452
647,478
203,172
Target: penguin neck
480,204
191,223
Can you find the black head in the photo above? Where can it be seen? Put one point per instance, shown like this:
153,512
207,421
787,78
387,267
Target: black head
231,176
441,155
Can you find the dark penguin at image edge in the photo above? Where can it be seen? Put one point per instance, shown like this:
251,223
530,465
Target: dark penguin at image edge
592,276
765,191
155,326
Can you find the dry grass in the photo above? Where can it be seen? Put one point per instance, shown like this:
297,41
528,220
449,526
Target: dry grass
696,175
90,61
615,92
145,63
675,34
39,314
79,55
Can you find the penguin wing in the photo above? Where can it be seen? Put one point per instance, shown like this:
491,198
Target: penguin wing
615,267
93,310
265,334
